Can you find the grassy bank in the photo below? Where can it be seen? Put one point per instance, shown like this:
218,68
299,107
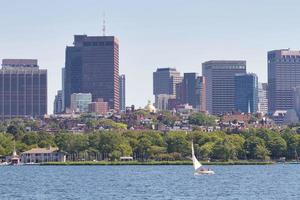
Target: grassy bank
158,163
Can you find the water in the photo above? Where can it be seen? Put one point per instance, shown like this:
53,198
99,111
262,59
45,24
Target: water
149,182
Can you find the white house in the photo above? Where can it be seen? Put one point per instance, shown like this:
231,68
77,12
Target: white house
39,155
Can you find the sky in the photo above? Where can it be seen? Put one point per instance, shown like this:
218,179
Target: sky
157,33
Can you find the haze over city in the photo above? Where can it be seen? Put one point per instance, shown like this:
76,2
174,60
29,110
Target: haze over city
151,34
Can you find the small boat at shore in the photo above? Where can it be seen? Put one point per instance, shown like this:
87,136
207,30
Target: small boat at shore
199,169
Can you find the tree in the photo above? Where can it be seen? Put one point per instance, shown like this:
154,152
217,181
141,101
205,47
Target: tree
206,150
251,144
261,152
202,119
176,142
277,146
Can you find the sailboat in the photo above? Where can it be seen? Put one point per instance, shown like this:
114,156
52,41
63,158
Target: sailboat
199,169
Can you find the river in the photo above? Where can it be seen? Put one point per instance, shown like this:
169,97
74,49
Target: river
149,182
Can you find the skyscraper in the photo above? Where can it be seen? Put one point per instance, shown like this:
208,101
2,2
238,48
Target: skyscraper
246,92
58,106
219,77
23,89
92,66
263,98
283,75
122,82
63,90
192,91
164,81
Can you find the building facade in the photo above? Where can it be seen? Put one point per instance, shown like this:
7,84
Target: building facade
164,81
296,100
192,91
41,155
99,107
58,103
63,88
92,66
163,101
283,75
246,92
80,102
263,98
220,91
122,82
23,89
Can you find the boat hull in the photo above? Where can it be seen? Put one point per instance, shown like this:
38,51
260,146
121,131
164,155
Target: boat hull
204,173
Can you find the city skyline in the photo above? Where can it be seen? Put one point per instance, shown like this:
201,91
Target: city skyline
139,32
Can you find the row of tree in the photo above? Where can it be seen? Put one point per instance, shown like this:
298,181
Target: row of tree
258,144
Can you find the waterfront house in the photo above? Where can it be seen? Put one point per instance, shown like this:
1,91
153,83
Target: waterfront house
39,155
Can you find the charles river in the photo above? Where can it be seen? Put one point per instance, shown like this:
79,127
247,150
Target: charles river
279,181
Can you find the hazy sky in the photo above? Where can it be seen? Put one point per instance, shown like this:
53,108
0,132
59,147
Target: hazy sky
156,33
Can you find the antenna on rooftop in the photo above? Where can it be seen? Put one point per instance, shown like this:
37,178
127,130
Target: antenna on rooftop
103,25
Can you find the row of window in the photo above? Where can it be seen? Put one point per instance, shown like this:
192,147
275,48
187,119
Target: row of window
108,43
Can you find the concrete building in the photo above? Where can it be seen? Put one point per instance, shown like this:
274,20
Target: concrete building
162,101
296,100
80,102
99,107
192,91
283,76
164,81
220,91
58,105
40,155
92,66
23,89
63,88
246,92
262,98
122,82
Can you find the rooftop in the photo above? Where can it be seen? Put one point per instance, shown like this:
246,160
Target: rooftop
41,150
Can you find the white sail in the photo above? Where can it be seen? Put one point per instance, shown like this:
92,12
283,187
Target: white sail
196,163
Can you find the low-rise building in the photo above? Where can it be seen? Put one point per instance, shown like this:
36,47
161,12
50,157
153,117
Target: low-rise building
40,155
99,107
80,102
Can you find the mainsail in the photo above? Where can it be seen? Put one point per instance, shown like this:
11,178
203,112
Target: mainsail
196,163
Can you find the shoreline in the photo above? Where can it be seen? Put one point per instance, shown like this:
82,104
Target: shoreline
103,163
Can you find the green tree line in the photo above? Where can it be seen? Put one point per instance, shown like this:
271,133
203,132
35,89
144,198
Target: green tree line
256,144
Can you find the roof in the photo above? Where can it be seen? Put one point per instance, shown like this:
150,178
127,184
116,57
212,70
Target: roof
41,150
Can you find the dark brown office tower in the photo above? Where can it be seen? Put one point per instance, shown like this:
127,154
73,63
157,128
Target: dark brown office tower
23,89
92,66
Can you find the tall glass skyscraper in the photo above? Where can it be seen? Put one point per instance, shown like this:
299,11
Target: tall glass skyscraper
283,76
164,82
92,66
246,92
122,82
23,89
192,91
262,98
220,90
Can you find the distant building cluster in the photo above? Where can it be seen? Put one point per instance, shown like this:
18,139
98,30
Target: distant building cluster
226,87
91,83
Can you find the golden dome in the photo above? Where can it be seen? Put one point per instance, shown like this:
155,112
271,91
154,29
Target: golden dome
149,107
